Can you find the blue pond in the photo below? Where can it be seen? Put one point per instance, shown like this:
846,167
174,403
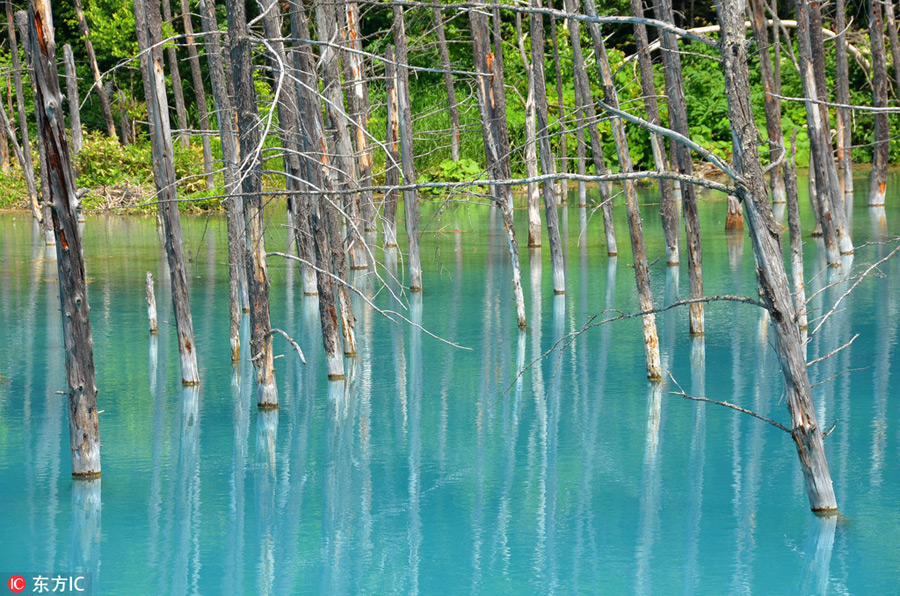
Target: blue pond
434,469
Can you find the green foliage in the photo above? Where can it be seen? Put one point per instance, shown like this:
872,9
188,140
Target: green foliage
464,170
112,28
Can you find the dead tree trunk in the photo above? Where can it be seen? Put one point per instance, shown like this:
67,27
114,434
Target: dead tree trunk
536,22
880,158
410,195
392,150
233,208
250,144
668,210
492,120
533,193
844,136
72,93
199,92
9,132
683,161
891,22
641,267
167,196
793,208
84,430
98,78
175,74
151,304
772,104
25,162
562,166
772,276
588,118
452,107
322,214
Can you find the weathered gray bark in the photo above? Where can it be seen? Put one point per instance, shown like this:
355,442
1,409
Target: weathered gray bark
410,196
536,23
95,69
233,208
682,160
167,196
844,137
641,267
199,92
261,352
25,161
588,117
175,74
793,209
880,158
668,209
772,104
492,127
452,107
72,96
891,22
772,277
532,193
84,430
562,166
392,153
151,304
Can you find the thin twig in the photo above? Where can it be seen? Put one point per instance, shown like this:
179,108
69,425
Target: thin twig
727,405
832,353
290,341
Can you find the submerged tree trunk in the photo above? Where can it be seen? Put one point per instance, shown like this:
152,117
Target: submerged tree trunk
392,150
844,136
683,161
881,157
151,304
175,75
668,210
533,193
199,92
167,197
410,195
793,209
771,103
536,22
492,121
452,107
95,70
233,208
562,184
84,430
771,273
72,93
641,267
261,352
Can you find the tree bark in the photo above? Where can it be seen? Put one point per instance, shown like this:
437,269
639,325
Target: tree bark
683,161
793,209
175,74
98,78
25,162
410,196
199,92
261,353
881,157
452,107
392,153
84,430
771,272
74,104
167,196
533,193
561,168
638,249
844,136
668,209
891,22
151,304
536,23
233,209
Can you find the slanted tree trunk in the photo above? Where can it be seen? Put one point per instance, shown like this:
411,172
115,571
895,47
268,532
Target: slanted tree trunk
844,136
492,121
536,22
668,210
410,195
199,92
881,157
233,208
175,74
84,430
167,196
588,118
793,208
95,69
261,353
74,104
9,132
533,193
641,267
452,107
772,104
773,282
392,150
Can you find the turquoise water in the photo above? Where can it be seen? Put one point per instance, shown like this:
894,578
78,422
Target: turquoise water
437,469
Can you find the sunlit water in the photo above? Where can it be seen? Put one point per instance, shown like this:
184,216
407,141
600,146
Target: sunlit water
436,469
